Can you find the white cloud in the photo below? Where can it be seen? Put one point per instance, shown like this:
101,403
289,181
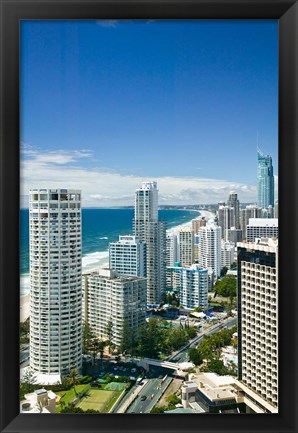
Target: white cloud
103,187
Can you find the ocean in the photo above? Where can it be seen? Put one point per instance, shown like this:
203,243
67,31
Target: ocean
99,227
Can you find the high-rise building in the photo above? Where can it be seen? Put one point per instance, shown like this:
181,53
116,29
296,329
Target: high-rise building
186,247
226,219
210,247
276,209
55,283
172,249
265,180
148,229
128,256
251,211
258,317
234,203
110,298
227,253
234,235
197,223
192,283
262,228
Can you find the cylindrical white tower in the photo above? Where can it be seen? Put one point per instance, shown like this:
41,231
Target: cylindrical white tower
55,283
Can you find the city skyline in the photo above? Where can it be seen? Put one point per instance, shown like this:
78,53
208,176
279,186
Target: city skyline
108,105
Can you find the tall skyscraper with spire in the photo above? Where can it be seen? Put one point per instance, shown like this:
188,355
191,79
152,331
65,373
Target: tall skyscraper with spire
149,229
265,180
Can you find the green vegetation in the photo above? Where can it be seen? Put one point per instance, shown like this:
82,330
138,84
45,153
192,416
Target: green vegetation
210,350
28,383
24,331
155,340
226,286
172,401
128,340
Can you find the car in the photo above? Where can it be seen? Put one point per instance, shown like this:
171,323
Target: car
143,398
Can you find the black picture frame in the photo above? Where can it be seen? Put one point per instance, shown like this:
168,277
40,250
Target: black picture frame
286,12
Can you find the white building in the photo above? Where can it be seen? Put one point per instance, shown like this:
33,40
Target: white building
39,401
210,247
186,247
110,297
258,317
128,256
55,283
227,253
171,249
262,228
147,228
194,287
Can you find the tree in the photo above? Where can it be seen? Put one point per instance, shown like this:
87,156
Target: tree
234,266
109,332
195,356
73,375
88,336
217,366
223,271
28,382
127,340
226,286
24,331
150,339
191,332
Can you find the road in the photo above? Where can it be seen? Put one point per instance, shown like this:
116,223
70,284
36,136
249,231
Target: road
182,354
153,390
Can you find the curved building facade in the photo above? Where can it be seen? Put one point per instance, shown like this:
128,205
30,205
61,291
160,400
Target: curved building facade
55,283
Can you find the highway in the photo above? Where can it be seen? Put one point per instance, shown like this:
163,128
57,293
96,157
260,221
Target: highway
153,390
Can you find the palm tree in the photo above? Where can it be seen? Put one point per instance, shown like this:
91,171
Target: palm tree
74,380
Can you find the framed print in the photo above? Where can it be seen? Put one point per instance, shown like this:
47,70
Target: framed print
148,208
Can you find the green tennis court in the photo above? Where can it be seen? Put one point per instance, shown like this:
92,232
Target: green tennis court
96,399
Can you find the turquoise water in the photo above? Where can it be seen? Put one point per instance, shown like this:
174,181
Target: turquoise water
99,227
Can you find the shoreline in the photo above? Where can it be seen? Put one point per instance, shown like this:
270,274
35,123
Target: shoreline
102,262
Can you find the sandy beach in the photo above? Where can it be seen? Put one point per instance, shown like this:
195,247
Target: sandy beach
96,263
24,307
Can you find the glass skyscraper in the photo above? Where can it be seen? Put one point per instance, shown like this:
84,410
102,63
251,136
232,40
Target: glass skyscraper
265,181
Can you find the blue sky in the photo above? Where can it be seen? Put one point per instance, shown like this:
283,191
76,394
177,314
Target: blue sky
106,105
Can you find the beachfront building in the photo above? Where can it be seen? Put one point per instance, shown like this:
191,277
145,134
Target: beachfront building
186,246
111,298
258,317
55,283
171,249
226,219
128,256
197,223
210,248
262,228
227,253
149,229
250,211
265,180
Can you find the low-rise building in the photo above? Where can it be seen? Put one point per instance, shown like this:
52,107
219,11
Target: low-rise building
222,394
39,401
